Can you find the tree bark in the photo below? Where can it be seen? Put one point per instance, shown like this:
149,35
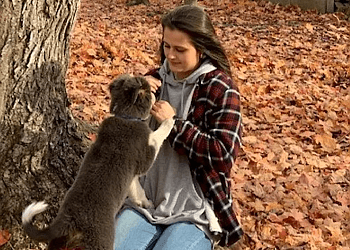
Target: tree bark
137,2
41,144
190,2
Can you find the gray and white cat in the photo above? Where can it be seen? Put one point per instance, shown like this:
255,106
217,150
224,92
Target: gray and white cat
125,148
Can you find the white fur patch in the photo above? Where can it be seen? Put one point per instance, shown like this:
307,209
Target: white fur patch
153,98
157,137
137,194
32,210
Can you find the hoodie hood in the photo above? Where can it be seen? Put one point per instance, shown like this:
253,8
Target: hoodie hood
165,71
179,92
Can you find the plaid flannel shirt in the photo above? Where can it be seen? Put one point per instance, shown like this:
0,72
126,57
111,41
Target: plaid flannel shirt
211,138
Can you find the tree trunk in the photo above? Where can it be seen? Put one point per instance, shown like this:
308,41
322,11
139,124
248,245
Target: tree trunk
41,145
190,2
137,2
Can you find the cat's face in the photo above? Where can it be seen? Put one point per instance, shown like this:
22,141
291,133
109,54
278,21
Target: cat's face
131,96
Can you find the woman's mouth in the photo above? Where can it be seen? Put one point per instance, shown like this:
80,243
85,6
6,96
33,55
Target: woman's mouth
174,63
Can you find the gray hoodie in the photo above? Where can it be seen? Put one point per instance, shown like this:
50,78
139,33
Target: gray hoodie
169,184
179,92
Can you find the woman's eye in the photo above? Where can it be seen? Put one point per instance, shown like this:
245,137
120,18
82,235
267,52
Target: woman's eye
180,50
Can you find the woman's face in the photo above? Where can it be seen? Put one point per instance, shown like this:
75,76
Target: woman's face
182,56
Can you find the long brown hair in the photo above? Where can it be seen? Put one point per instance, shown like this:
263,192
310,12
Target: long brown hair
195,22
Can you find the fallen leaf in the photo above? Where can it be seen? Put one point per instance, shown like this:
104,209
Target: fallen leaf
4,237
327,142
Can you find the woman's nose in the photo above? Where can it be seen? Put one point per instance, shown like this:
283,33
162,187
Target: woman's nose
171,54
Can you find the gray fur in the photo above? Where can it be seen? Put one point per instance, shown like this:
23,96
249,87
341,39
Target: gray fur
124,149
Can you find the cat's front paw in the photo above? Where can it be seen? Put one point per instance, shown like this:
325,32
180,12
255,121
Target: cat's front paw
169,122
143,203
147,204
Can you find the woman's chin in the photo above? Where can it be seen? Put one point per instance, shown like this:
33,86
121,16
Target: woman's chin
175,69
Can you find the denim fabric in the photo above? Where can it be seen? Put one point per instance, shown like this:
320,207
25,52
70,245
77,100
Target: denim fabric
134,232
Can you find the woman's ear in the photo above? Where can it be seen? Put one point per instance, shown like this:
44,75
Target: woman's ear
200,54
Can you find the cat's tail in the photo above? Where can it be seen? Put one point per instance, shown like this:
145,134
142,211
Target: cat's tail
46,234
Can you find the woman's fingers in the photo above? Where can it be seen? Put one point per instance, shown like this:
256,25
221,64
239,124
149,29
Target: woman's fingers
162,110
154,83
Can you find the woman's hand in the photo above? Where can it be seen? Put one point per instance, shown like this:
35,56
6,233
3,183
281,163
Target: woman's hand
162,110
154,83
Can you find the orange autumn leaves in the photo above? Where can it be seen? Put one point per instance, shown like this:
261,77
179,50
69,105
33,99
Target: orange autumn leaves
4,237
98,56
292,183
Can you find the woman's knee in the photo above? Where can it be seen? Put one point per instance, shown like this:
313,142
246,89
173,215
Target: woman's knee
133,231
183,235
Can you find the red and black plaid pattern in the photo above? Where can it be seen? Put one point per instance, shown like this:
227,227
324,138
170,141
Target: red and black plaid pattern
211,138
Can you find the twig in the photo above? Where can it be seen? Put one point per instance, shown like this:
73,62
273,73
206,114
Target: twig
336,18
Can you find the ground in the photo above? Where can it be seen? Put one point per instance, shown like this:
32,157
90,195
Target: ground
291,183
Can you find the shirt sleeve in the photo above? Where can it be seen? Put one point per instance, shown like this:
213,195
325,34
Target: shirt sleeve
214,138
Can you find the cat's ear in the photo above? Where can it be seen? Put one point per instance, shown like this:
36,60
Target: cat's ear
134,95
118,82
136,88
116,88
143,87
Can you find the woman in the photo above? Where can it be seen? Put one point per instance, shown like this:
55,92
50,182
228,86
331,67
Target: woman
189,182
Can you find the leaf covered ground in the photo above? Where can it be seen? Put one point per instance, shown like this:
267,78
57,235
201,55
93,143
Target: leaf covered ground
291,185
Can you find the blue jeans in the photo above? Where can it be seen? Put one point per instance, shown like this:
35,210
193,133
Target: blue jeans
135,232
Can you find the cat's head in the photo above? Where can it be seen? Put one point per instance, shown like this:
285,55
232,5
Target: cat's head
131,96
